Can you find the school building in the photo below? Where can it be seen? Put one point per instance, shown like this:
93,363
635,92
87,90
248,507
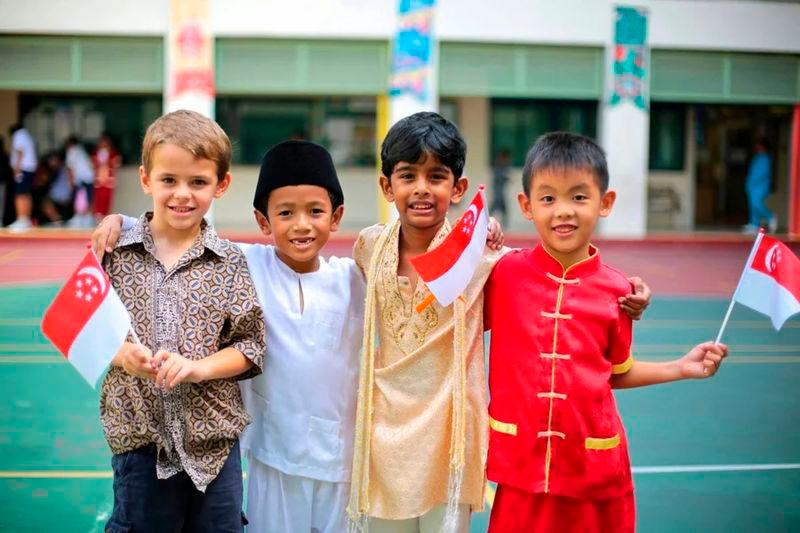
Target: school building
720,74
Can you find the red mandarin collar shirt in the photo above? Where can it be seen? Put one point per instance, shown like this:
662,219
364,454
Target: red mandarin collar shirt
557,336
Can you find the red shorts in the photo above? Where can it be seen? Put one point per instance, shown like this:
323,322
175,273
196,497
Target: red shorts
517,511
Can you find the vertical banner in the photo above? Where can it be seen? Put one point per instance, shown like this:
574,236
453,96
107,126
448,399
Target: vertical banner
413,84
625,121
630,57
190,58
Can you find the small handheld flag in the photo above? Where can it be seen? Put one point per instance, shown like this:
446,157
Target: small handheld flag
87,321
448,268
770,282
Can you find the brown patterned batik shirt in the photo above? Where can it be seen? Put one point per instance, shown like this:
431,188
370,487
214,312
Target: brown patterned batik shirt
205,303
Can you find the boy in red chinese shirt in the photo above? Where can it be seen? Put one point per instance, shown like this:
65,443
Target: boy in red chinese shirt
559,344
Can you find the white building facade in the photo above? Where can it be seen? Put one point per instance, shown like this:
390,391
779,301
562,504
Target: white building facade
719,76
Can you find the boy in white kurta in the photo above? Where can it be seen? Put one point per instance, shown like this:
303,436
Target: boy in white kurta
300,442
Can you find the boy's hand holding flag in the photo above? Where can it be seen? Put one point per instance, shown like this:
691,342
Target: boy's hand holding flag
86,321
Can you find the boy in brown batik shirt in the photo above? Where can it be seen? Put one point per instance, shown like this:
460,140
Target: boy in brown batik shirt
173,419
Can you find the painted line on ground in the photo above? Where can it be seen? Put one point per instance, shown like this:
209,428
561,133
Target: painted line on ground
31,360
740,348
10,257
56,474
680,469
656,323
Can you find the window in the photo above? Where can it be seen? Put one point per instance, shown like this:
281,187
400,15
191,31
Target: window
52,118
667,136
516,124
346,126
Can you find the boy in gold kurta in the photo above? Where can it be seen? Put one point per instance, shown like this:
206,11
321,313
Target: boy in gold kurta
413,468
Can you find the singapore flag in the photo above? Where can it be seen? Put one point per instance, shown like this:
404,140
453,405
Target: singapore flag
771,282
86,321
448,268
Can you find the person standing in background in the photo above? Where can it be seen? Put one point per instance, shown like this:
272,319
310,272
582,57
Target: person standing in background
81,175
106,161
757,187
23,163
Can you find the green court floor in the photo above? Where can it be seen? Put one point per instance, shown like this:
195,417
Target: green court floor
719,455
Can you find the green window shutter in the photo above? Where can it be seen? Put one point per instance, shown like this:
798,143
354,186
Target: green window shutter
347,68
272,66
520,71
35,62
763,77
724,77
693,76
564,72
107,64
477,70
256,66
122,63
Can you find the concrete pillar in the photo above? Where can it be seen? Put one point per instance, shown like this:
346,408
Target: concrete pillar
625,122
473,122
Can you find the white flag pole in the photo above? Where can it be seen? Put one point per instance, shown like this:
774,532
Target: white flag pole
738,285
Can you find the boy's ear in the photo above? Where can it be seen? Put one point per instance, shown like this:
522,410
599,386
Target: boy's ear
263,222
144,180
386,188
607,202
525,205
336,218
459,189
222,185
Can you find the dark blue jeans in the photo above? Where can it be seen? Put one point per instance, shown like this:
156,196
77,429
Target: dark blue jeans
144,503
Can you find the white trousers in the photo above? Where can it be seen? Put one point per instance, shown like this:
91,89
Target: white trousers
280,503
430,522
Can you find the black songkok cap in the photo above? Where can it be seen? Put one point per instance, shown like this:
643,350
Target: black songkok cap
297,163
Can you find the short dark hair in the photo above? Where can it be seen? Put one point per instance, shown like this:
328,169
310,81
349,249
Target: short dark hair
565,151
14,127
421,134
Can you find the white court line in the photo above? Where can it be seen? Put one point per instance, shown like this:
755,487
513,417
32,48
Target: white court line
678,469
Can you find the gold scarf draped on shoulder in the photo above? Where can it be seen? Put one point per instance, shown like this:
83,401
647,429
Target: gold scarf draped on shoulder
358,507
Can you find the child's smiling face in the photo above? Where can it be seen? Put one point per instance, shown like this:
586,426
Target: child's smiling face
565,205
422,191
300,219
182,187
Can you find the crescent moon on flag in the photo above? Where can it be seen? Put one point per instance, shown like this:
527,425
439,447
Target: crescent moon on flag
769,258
474,210
96,274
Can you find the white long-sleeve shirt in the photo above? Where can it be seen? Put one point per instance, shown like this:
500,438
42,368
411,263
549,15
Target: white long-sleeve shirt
303,404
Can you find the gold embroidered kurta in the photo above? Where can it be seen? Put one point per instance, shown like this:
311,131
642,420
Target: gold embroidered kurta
412,401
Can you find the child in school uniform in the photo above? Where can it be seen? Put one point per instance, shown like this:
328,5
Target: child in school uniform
173,419
559,344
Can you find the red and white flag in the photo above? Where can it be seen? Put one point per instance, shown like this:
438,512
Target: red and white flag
770,283
448,268
86,321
